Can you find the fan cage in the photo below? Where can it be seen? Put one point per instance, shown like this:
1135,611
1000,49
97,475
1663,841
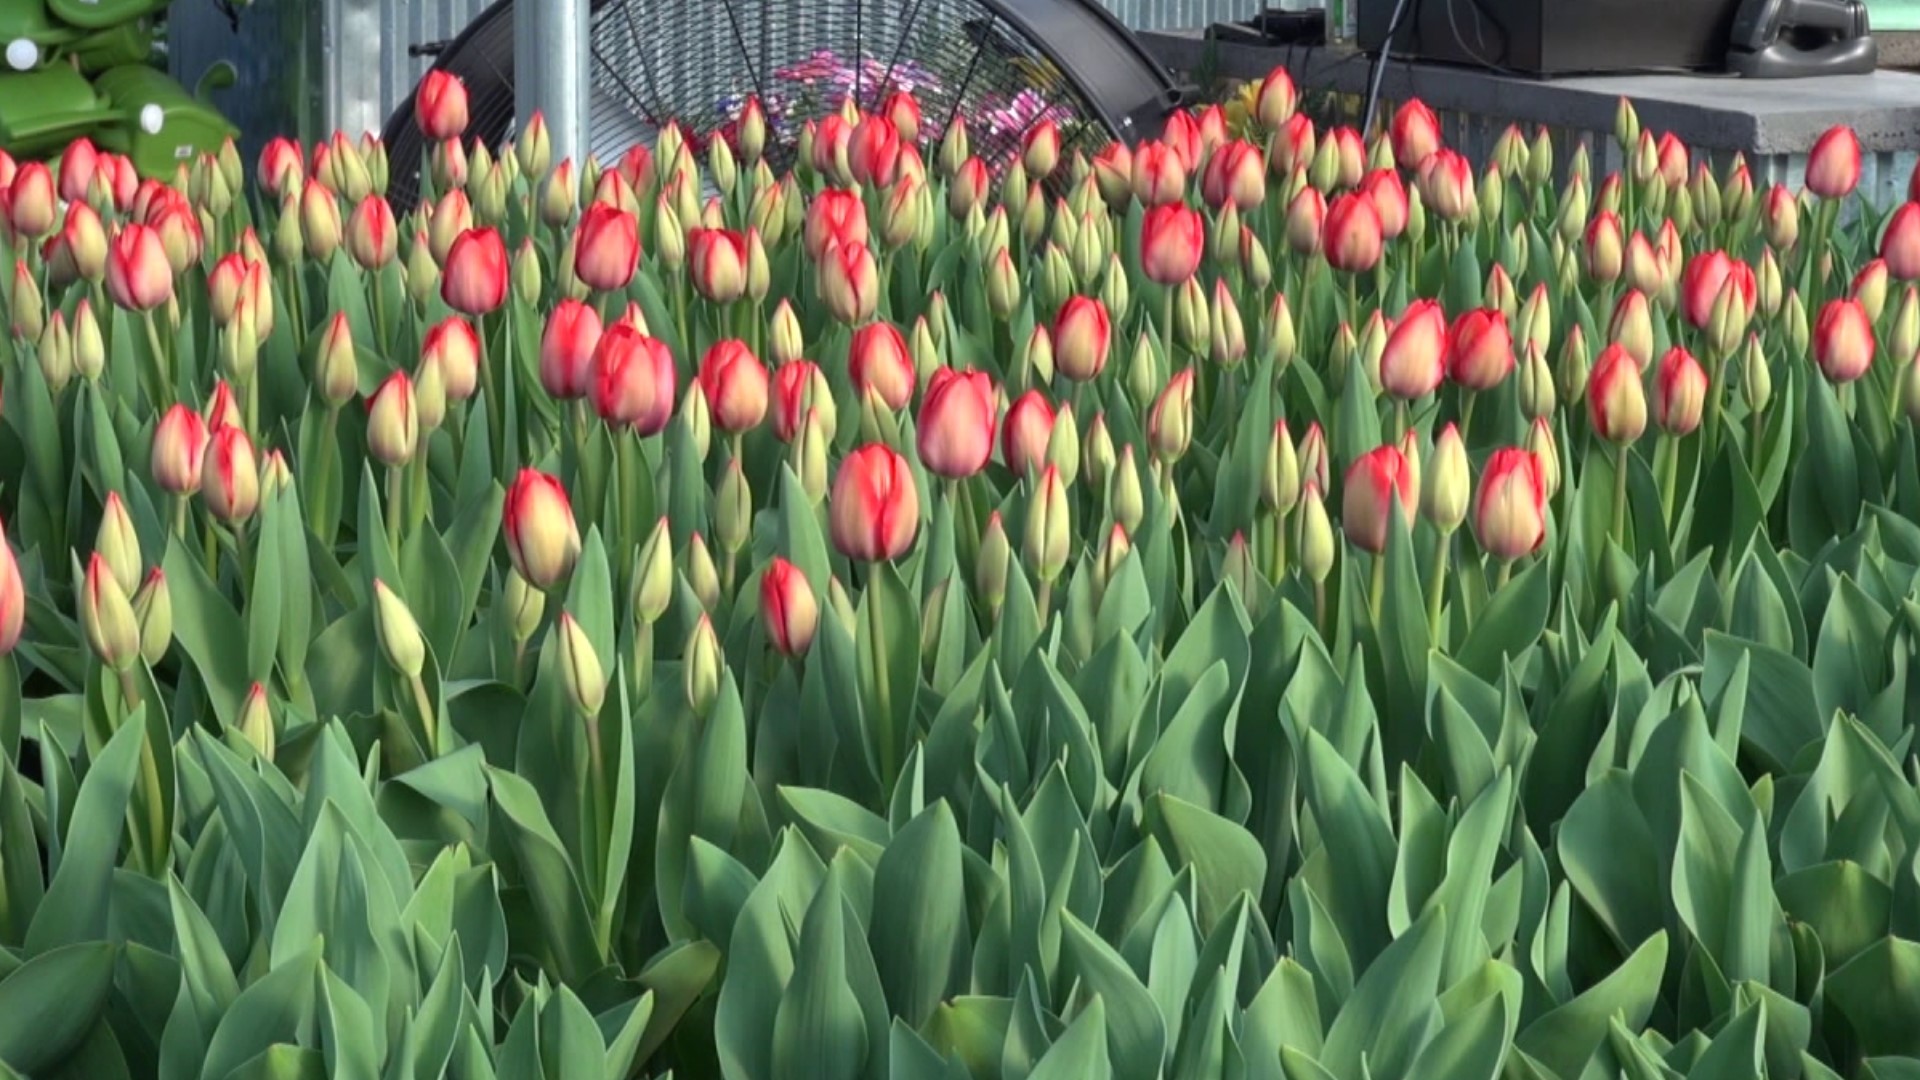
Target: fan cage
697,63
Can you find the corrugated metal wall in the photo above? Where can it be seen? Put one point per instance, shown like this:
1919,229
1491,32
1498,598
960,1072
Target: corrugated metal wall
312,66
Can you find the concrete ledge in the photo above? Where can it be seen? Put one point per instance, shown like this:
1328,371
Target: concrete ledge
1757,117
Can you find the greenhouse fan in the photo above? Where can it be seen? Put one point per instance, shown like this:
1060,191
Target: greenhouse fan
1001,64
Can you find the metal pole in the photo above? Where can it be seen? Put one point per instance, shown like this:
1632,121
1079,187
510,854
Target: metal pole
550,63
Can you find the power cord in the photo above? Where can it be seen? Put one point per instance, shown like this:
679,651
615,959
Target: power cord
1401,8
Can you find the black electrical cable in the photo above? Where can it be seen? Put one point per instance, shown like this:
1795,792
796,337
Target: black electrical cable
1401,8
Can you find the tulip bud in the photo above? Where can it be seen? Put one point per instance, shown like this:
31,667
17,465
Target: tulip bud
541,535
1280,473
1509,513
1616,401
106,615
526,276
1317,544
1170,422
580,669
1798,333
400,635
1228,336
653,576
703,664
1781,214
1003,285
991,565
1632,327
1903,338
1843,341
733,508
1679,392
1126,501
697,419
1447,487
256,722
393,421
1537,396
1049,538
230,476
152,612
1063,446
1756,377
55,353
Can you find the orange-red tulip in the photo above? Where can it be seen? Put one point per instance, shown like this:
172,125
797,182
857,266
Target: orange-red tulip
474,279
955,434
1354,234
873,151
1510,509
1843,340
1833,165
1480,349
542,538
139,277
875,508
1415,132
635,383
440,106
606,248
1375,480
1679,392
1172,239
734,382
567,349
1026,433
789,612
878,363
1414,360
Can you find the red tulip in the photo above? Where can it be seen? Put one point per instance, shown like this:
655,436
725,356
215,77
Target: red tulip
1679,392
1159,174
1082,338
230,475
1833,165
834,216
542,539
1900,244
1843,341
1414,361
1672,160
440,106
1307,221
878,363
1274,104
635,382
1113,173
281,163
875,509
1354,233
174,220
1040,149
1510,509
903,109
1172,239
1028,429
832,146
1351,154
567,348
968,189
734,382
1237,174
32,206
1781,212
799,388
77,164
955,435
372,236
1616,401
1706,274
13,597
84,239
474,278
636,167
789,613
717,259
1389,198
1293,146
139,277
393,421
1480,349
850,282
1446,185
1374,482
453,345
1182,133
873,151
606,248
1415,133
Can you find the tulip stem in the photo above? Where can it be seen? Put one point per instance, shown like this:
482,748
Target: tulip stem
1620,496
1166,326
1437,585
379,308
1279,551
429,717
180,517
596,792
1377,594
1045,599
1320,607
162,368
1716,402
1466,417
396,500
1500,579
1669,478
882,680
1759,422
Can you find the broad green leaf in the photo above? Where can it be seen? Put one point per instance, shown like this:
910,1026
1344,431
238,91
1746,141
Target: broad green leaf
1394,1011
921,936
48,1004
1565,1038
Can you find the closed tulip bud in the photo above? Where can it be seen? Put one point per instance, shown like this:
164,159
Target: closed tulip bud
54,351
276,476
1349,349
1228,335
1479,349
697,419
1632,327
784,338
702,576
1575,201
542,538
117,545
179,447
1416,217
850,283
812,448
336,373
717,259
1493,194
1780,213
1126,500
89,351
1048,542
1903,337
1798,332
789,614
474,281
1870,288
85,239
1843,341
955,433
1097,453
319,223
580,669
1191,318
256,722
1679,392
423,274
874,508
393,421
152,611
735,385
1171,239
558,196
1278,338
1900,244
733,508
1143,370
653,576
1449,480
878,362
1170,421
1063,446
230,475
1756,377
1605,250
1833,165
1510,510
1307,229
1033,215
1315,466
1768,284
1280,472
1643,158
139,277
239,347
106,615
32,205
373,237
1616,401
1572,372
221,409
1413,362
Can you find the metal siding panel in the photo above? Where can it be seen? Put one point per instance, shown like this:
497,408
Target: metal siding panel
1176,14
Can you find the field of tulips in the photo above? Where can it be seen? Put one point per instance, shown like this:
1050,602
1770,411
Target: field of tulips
1271,602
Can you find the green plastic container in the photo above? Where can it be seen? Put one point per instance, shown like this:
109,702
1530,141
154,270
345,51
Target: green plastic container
42,111
31,39
155,121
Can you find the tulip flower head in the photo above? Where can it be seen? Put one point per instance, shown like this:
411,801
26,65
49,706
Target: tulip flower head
956,428
1354,234
230,476
1833,165
542,538
634,380
1374,482
1415,132
1172,239
139,277
789,612
734,383
1679,392
606,248
1082,338
1480,349
878,364
1510,509
717,260
179,448
1843,341
874,507
1616,401
800,388
440,106
1413,364
473,279
13,597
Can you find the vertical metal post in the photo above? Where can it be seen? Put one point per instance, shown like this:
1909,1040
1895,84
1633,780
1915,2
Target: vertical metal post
551,58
